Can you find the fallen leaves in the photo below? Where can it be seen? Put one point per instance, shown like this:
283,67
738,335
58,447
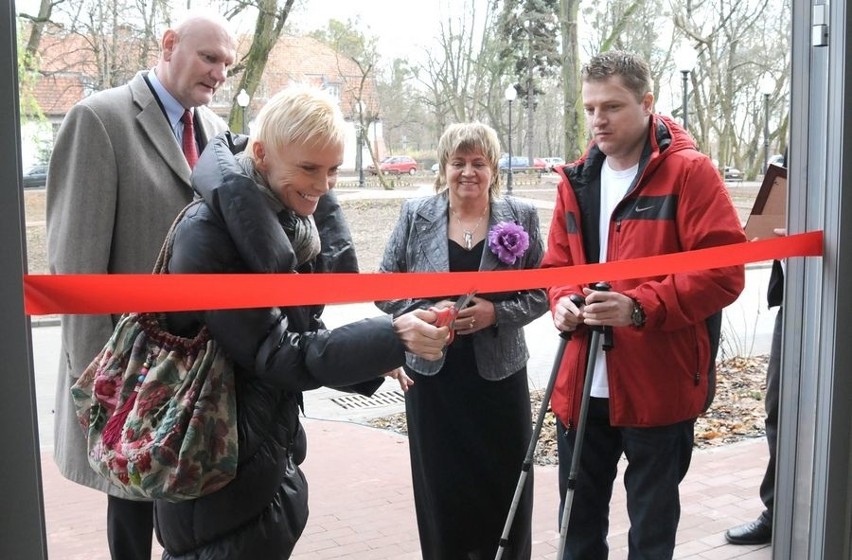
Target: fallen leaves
738,409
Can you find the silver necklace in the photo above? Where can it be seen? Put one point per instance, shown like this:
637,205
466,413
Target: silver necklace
467,234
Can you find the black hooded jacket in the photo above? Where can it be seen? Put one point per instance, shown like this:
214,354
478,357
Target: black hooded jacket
277,352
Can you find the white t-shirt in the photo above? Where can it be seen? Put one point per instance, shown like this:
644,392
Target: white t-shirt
614,185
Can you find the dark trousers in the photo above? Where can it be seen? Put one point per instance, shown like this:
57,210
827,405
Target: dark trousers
773,379
130,528
657,461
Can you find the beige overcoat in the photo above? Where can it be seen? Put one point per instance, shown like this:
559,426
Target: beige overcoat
117,178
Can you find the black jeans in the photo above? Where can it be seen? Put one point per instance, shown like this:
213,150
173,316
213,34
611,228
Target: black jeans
658,459
130,528
773,379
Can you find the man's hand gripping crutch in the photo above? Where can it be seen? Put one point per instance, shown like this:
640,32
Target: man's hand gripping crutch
596,312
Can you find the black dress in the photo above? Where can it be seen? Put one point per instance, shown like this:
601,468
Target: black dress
468,437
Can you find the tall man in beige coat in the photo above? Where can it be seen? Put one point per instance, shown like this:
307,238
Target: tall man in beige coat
117,179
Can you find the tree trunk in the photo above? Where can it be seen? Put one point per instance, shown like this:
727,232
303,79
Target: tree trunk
45,10
267,31
570,80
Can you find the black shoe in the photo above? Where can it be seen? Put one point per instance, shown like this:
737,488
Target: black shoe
754,532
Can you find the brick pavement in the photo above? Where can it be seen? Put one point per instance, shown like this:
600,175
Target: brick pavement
362,507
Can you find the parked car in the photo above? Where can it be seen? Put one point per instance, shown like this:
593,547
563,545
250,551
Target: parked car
518,162
777,159
396,165
540,164
35,176
733,174
554,162
435,168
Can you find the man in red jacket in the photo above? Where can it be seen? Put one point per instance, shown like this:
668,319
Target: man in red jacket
641,189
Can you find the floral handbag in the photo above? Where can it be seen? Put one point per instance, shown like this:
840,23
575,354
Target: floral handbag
158,410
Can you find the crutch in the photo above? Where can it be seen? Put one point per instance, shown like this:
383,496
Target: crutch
581,427
564,337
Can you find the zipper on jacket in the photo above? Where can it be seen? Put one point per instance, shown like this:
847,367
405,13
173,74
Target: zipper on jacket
697,376
578,384
614,243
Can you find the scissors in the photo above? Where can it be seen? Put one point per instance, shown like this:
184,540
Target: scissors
447,316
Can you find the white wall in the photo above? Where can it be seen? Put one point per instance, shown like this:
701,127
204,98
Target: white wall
34,137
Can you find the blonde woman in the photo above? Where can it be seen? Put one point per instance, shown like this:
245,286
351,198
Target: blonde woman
256,215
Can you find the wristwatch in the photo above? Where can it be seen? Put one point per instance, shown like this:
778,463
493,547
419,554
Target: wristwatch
637,317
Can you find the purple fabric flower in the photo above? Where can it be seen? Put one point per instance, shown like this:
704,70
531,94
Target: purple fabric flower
508,241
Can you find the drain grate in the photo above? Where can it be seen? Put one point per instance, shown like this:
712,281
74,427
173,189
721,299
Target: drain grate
350,402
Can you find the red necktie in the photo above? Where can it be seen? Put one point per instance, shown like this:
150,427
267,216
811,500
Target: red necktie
190,150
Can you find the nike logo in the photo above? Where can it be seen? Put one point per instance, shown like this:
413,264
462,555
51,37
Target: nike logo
644,208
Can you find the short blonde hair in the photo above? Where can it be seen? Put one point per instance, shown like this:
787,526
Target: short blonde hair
473,137
298,114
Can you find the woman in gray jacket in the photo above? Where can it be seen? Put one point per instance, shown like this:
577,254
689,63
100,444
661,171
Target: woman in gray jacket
468,414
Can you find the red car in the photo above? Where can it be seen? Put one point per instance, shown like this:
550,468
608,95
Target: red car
396,165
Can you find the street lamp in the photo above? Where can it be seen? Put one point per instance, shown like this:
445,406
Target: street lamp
359,143
510,94
767,86
685,58
243,101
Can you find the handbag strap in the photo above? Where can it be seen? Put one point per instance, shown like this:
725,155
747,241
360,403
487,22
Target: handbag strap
161,266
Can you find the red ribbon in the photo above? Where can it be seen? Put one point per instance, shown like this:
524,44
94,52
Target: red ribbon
120,293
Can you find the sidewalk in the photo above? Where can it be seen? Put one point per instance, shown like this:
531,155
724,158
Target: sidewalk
362,506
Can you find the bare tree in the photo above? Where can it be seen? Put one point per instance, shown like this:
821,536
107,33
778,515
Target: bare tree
550,130
112,39
271,18
631,25
102,42
353,47
463,77
404,116
457,69
27,77
737,44
36,30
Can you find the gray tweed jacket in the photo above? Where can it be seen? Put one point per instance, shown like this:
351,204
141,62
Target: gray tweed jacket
419,244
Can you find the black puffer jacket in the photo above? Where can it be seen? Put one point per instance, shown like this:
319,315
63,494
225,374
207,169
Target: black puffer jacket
278,352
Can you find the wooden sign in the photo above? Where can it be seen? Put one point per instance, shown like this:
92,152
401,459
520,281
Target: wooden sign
770,206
